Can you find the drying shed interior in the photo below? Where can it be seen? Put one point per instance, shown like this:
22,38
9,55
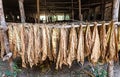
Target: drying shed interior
59,10
55,36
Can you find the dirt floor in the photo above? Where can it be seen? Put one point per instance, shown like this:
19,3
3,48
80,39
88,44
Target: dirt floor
75,71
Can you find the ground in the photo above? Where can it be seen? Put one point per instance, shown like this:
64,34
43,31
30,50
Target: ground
75,71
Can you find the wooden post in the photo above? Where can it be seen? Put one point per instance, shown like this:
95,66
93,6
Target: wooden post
80,16
22,12
45,11
8,55
110,69
72,11
102,9
38,11
2,17
115,15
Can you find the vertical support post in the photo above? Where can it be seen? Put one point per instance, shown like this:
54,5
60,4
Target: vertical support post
45,11
38,11
103,9
72,11
110,69
115,14
22,12
8,55
2,17
80,15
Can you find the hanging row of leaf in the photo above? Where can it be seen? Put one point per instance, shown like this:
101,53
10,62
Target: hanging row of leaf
35,43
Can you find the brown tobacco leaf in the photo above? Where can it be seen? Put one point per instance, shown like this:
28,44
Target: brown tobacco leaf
80,48
88,41
36,43
22,34
72,51
112,53
62,55
11,35
55,42
44,43
17,41
30,51
95,55
103,42
49,51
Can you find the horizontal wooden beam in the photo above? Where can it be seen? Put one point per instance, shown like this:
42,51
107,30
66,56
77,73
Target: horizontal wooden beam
73,24
61,2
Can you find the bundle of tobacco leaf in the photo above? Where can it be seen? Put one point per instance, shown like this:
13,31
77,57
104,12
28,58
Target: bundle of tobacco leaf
37,44
23,48
72,49
55,42
95,54
17,40
31,50
14,39
11,36
80,47
62,55
112,53
44,43
49,47
103,42
88,41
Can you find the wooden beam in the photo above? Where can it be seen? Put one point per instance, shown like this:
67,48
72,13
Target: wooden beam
80,15
22,12
38,11
60,2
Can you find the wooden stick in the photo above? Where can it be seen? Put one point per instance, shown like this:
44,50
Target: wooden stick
21,8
